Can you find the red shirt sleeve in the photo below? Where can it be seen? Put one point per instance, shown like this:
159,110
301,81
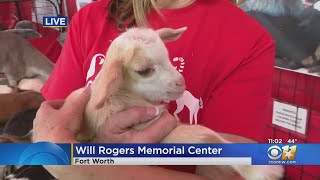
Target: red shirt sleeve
68,73
240,105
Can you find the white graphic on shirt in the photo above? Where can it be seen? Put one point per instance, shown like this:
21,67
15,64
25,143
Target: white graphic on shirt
192,103
92,68
181,65
187,99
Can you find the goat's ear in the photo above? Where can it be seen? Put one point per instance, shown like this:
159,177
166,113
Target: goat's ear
168,34
108,81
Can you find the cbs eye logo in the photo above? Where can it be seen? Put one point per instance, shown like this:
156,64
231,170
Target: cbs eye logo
44,153
286,152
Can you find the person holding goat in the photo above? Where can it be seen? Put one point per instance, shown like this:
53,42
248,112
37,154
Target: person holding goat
225,57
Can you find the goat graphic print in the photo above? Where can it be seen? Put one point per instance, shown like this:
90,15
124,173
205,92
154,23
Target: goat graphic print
192,103
187,100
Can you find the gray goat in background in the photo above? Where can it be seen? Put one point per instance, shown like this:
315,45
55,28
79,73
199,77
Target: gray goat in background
25,29
274,7
294,26
20,60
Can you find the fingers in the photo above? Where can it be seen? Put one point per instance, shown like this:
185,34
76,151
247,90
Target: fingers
55,104
74,107
119,127
134,116
49,106
59,120
157,130
77,100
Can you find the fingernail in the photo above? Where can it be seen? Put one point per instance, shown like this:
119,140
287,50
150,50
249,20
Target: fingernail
153,111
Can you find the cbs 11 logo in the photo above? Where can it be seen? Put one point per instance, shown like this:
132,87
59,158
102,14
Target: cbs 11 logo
286,152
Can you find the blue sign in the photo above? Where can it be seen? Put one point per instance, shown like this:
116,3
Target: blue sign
55,21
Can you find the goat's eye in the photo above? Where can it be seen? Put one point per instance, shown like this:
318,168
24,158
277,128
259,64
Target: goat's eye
145,72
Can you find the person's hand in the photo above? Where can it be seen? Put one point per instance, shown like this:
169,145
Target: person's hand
118,128
59,121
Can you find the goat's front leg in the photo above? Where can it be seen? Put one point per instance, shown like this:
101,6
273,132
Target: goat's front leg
200,134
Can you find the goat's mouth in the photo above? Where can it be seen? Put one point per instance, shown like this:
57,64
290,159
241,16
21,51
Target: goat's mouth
173,95
165,97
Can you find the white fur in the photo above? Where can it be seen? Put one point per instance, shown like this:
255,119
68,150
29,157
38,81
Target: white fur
5,89
154,88
119,86
31,84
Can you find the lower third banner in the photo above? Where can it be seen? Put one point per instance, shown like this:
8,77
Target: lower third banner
196,154
45,153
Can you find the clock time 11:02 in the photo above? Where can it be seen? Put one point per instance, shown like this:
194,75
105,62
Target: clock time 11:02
279,141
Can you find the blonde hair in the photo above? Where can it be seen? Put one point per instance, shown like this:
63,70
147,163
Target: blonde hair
127,13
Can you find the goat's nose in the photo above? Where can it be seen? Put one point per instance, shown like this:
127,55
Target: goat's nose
180,82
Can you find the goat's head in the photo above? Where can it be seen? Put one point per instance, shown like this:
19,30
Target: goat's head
138,61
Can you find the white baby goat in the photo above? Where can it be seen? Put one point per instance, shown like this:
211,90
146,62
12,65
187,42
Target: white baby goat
138,72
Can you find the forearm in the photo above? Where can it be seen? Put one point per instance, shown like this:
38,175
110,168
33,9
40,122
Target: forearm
118,172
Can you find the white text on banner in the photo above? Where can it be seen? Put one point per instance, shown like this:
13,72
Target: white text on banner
162,161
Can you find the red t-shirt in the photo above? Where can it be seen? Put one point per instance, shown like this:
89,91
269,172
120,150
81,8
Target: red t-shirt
225,56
